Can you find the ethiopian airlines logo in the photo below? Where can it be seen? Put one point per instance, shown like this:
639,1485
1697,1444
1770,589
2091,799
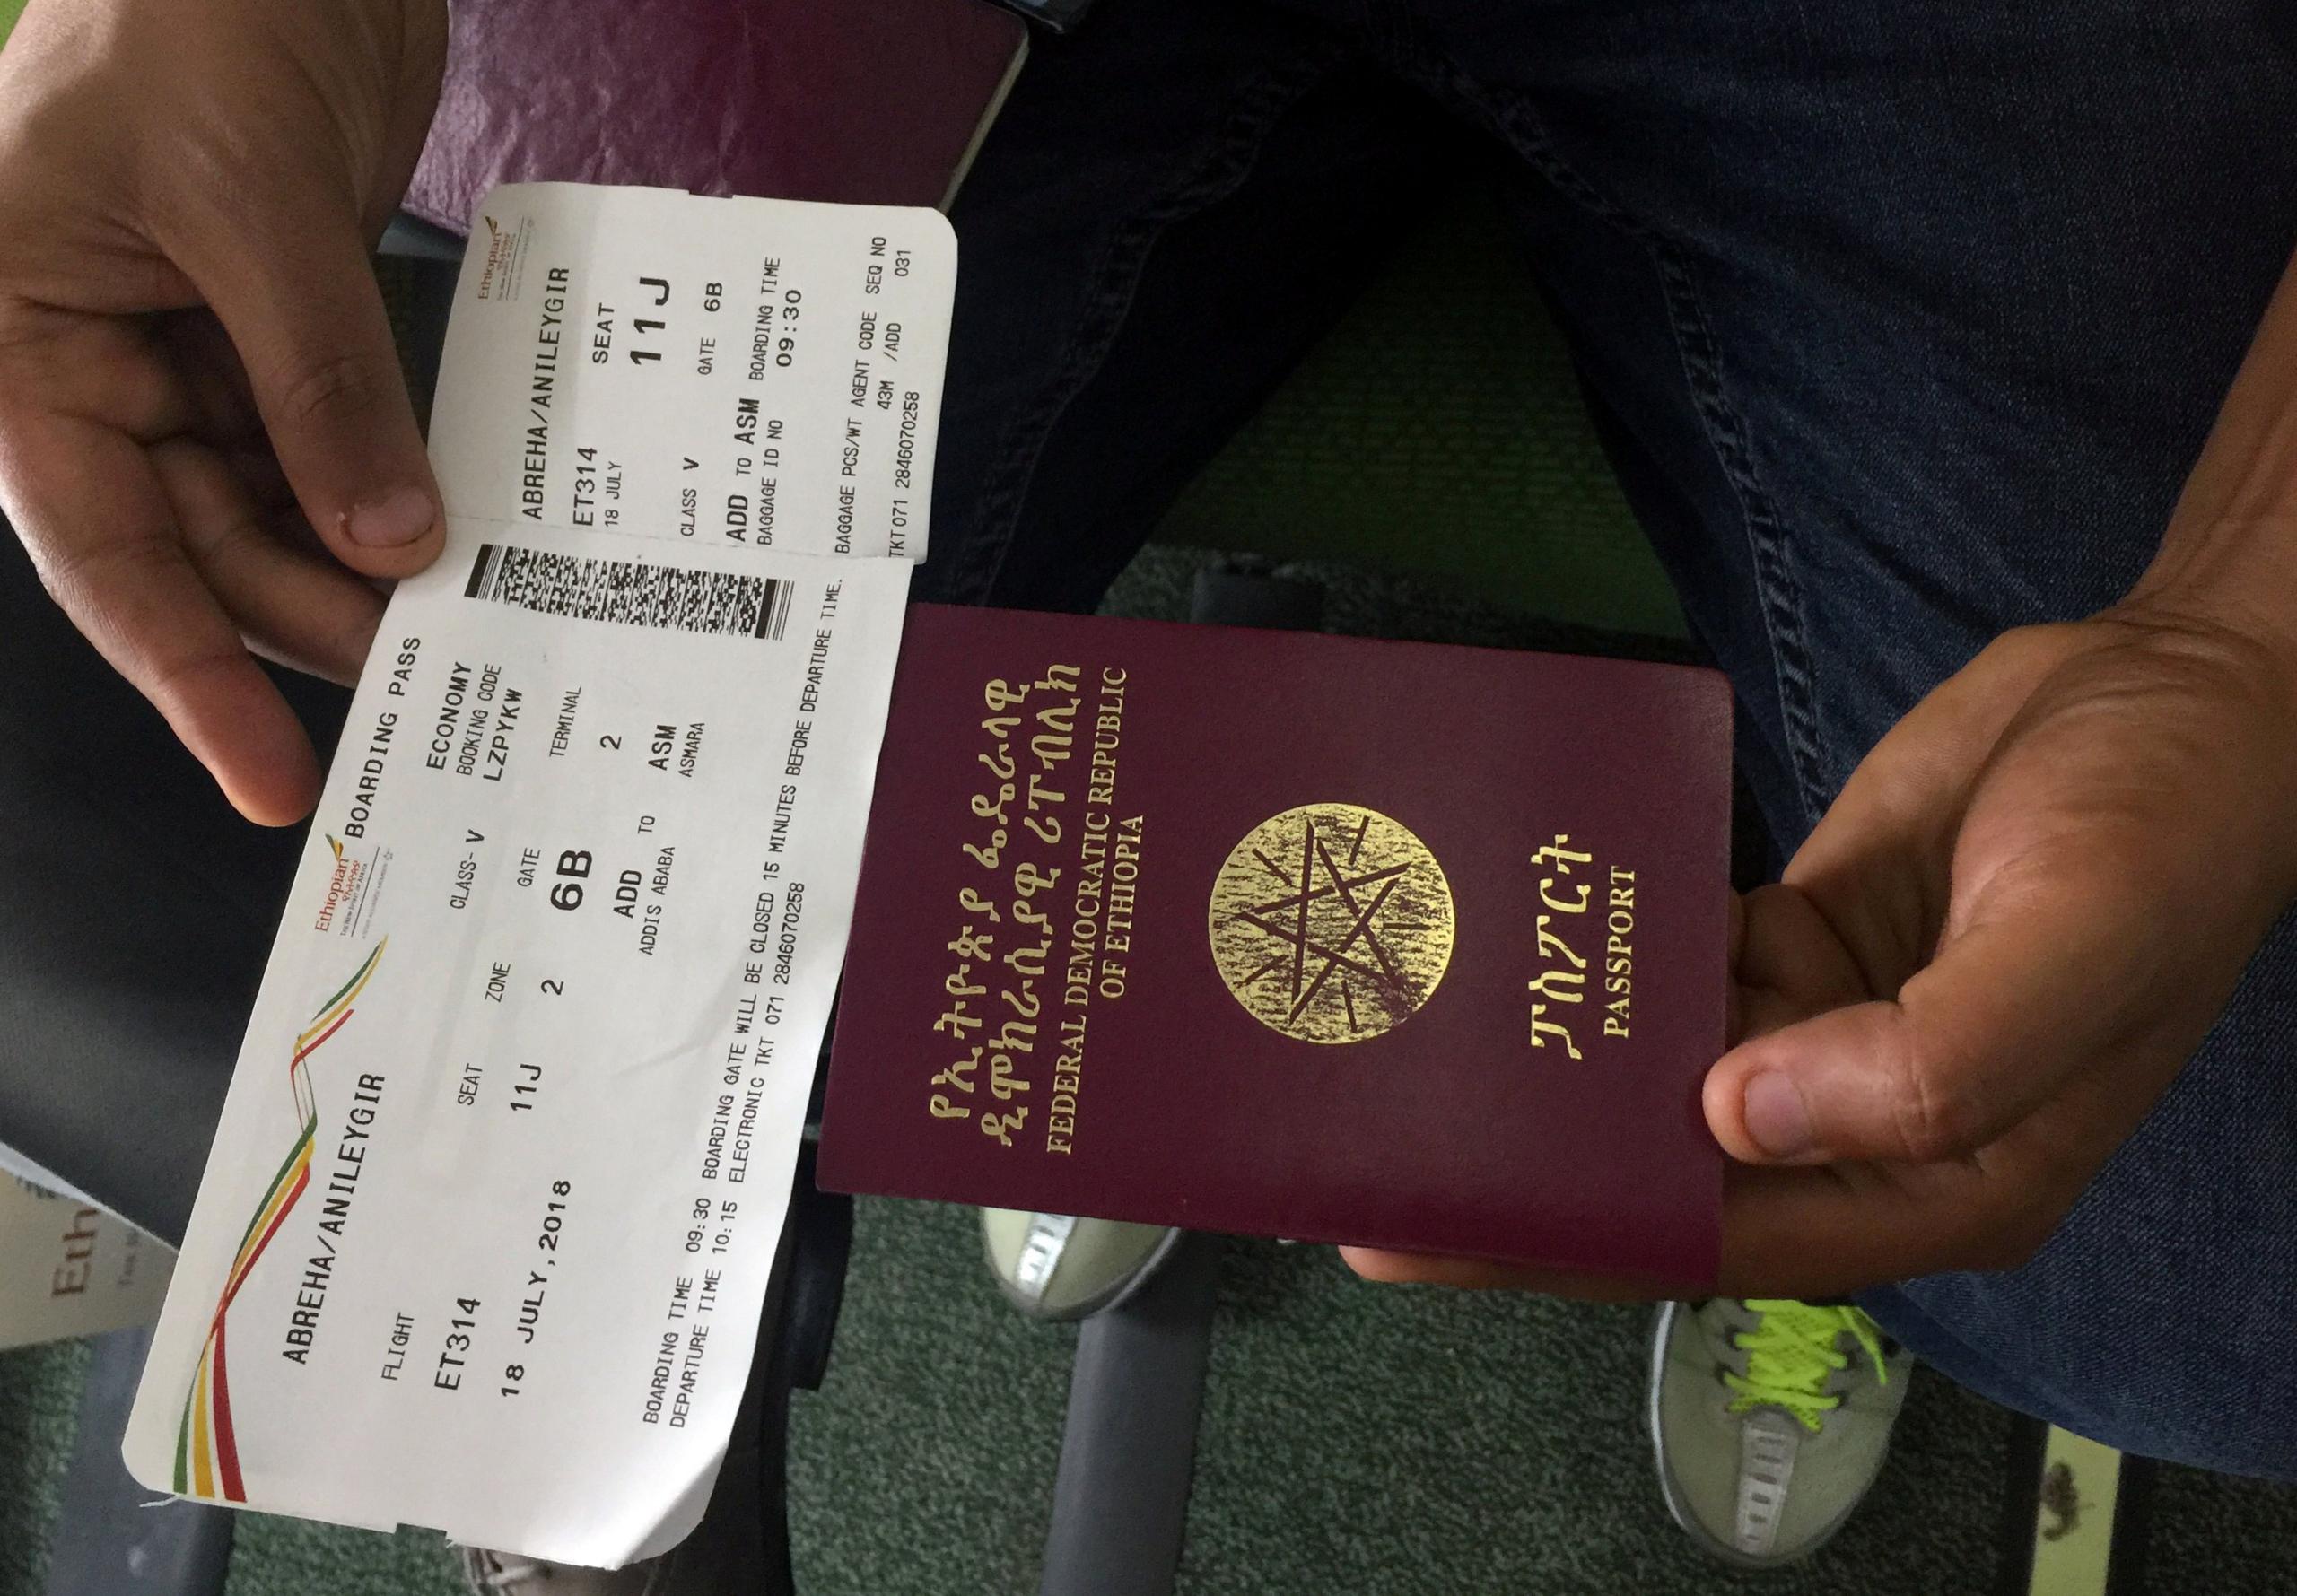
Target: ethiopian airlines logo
504,266
1332,923
208,1447
347,888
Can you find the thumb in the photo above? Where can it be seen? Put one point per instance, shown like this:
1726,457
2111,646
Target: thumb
297,296
2008,1010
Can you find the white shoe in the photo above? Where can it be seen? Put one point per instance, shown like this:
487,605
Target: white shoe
1054,1267
1770,1418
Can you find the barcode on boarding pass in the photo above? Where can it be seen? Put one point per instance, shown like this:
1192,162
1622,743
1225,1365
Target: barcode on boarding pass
720,602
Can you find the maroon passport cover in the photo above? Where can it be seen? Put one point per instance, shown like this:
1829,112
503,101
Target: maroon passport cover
869,102
1394,944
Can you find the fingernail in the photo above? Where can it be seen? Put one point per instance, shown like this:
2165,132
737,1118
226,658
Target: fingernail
401,519
1775,1117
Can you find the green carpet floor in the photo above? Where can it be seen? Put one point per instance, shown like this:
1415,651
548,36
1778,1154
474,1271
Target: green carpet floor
1437,431
1392,1443
39,1387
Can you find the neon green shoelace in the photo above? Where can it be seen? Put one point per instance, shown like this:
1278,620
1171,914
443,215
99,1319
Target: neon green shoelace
1791,1354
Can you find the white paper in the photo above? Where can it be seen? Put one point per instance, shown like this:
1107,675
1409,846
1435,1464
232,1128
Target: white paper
14,1163
485,1237
69,1268
755,374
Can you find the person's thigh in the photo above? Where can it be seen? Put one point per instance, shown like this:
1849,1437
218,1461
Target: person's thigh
1173,206
1906,322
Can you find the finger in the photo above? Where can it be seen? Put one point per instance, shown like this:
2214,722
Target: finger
1480,1274
1792,1232
102,370
1876,868
1788,964
203,357
1761,1012
311,615
307,320
258,470
90,510
1838,1228
2020,999
1788,949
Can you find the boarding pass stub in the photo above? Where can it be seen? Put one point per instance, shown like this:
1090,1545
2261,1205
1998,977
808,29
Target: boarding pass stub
755,374
486,1231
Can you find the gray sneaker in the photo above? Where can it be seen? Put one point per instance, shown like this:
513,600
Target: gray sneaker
1054,1266
1770,1420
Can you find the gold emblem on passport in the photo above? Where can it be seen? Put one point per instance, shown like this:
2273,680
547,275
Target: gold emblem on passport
1332,923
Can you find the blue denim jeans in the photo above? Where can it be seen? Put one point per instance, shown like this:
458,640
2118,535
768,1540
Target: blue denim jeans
1903,321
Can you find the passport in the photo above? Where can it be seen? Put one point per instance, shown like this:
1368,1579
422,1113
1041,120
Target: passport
1400,944
863,102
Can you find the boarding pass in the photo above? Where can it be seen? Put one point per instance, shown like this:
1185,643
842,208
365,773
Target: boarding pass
485,1235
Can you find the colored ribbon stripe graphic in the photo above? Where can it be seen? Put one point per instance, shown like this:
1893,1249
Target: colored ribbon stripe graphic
208,1456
